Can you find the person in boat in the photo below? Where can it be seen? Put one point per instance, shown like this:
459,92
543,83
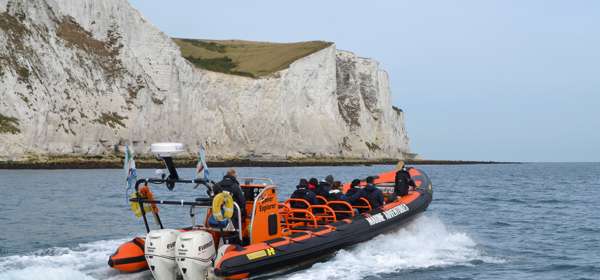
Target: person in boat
403,181
230,184
355,192
336,194
324,186
312,184
323,189
302,192
374,194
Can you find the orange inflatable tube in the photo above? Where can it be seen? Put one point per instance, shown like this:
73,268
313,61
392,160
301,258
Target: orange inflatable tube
129,257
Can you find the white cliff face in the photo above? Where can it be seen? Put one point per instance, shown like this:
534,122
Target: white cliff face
80,77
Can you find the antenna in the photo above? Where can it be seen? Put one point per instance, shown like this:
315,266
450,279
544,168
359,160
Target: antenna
165,152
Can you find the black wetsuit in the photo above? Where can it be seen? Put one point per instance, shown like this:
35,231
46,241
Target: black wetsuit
323,189
303,193
230,184
375,196
336,195
354,194
402,182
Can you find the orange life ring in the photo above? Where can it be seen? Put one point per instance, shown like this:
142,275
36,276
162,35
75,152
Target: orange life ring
146,193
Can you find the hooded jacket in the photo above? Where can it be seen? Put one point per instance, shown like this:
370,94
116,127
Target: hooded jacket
375,196
402,182
302,192
230,184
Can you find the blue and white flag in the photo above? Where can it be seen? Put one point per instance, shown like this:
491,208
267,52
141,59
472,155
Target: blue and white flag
129,167
201,167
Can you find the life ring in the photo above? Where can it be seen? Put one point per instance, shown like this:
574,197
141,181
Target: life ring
222,206
144,193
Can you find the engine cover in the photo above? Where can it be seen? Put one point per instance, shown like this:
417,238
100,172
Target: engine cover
160,253
195,253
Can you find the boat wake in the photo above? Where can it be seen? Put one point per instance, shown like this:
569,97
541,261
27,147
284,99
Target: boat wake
423,243
86,262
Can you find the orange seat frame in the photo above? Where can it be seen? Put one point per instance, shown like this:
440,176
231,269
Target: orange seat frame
324,214
366,206
347,205
300,217
300,200
322,199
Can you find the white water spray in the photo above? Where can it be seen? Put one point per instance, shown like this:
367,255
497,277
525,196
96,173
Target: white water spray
423,243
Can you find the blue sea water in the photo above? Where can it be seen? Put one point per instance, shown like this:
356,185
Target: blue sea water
510,221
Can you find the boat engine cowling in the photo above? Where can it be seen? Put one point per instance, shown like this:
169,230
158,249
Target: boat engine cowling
160,253
195,253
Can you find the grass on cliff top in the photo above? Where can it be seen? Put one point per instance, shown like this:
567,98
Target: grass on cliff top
245,58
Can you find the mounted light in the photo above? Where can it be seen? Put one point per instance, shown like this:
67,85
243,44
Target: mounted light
163,150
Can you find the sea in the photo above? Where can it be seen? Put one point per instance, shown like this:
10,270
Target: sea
492,221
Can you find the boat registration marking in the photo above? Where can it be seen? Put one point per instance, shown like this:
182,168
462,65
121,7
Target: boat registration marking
261,254
388,214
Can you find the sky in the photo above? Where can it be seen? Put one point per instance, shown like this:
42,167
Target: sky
478,80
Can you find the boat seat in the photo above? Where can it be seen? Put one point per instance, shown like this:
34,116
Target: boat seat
312,229
321,199
362,205
342,209
297,203
298,234
275,240
300,217
323,213
339,224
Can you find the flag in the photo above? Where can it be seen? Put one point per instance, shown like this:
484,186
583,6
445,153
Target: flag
201,167
129,167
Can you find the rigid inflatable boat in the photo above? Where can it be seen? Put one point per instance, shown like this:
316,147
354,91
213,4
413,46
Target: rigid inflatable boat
275,237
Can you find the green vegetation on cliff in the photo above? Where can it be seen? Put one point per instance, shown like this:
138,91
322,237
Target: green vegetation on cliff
245,58
111,119
9,125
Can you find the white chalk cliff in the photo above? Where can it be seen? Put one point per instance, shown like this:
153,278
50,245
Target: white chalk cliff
81,77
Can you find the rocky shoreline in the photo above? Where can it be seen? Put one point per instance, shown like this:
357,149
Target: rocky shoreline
115,162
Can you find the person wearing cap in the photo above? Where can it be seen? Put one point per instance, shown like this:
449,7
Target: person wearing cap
374,194
402,181
302,192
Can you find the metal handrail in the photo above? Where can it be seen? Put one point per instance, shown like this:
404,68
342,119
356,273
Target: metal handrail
261,193
251,180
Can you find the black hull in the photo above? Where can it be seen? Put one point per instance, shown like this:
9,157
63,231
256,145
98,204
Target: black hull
302,253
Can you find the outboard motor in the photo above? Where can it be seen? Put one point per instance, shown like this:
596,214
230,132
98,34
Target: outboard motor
195,252
160,253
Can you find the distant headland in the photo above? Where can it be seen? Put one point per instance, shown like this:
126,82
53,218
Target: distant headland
110,163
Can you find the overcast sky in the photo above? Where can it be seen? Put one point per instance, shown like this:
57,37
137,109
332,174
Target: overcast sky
478,80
